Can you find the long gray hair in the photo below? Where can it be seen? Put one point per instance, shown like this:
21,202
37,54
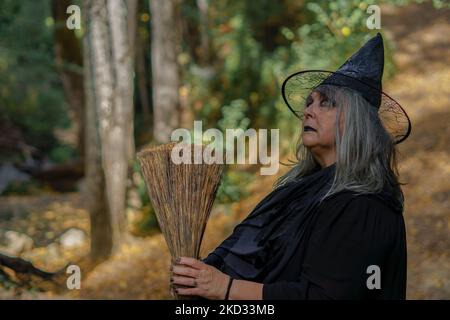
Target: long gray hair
365,152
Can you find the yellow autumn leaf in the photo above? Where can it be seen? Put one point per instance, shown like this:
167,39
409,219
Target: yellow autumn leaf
346,31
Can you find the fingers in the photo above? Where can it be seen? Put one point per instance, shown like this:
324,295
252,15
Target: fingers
184,281
188,291
185,271
194,263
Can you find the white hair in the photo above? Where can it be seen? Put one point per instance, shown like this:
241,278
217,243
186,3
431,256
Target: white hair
365,152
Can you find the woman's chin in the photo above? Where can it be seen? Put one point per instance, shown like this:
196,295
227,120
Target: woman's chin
308,141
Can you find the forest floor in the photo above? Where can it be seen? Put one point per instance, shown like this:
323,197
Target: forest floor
422,57
140,270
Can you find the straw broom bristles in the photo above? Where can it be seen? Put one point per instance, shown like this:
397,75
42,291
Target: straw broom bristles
182,196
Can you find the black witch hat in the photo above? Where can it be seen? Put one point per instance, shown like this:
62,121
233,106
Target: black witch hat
362,73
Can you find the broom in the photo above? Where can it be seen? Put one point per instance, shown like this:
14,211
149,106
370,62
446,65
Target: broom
182,196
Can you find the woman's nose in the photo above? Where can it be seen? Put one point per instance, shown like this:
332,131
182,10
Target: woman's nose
308,112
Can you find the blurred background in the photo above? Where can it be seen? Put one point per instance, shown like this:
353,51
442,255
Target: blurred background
81,90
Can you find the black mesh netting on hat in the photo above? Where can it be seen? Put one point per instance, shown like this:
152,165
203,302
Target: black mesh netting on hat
298,86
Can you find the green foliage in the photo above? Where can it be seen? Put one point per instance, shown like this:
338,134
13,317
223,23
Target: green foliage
147,223
234,115
233,182
62,153
256,47
138,183
233,186
31,95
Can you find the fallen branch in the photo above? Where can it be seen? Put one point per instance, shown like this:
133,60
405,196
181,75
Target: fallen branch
20,265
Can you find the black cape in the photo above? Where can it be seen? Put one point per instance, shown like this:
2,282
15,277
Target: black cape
304,248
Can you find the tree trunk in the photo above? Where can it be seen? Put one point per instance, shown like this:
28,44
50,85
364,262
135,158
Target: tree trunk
112,60
165,71
131,12
69,61
94,192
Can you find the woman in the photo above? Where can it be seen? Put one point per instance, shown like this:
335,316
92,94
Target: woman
333,227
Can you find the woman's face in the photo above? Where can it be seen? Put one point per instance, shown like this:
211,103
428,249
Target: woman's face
319,128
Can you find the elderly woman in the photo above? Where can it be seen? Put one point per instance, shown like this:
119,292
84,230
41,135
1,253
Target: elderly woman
333,226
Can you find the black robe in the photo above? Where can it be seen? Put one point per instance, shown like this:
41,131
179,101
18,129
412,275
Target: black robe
300,247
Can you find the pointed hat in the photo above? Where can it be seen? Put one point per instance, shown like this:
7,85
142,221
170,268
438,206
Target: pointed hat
362,72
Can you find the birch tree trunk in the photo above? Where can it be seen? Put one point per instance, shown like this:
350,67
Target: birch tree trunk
165,72
94,192
112,60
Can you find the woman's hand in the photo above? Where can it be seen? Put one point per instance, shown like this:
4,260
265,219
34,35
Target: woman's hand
204,280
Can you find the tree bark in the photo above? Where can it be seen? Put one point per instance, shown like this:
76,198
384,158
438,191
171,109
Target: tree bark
165,70
112,61
94,194
118,132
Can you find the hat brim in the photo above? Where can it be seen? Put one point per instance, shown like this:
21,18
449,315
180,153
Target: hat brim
298,86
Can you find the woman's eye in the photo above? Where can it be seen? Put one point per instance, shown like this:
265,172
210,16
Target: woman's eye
324,103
